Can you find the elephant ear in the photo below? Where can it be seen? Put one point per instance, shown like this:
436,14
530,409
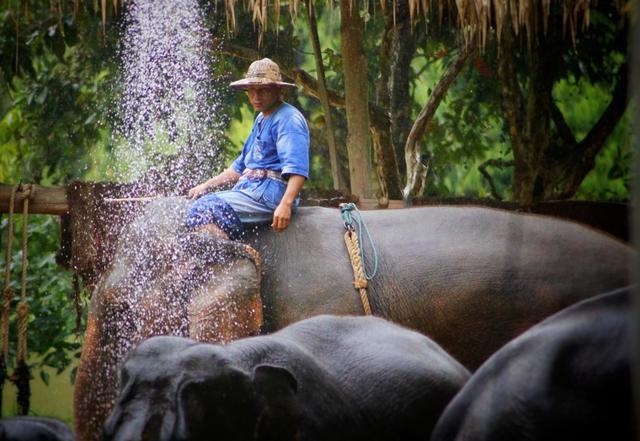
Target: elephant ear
280,414
223,405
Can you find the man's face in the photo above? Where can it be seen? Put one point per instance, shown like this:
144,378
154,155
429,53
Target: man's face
264,98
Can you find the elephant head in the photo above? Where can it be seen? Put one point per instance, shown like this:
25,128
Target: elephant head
176,389
164,280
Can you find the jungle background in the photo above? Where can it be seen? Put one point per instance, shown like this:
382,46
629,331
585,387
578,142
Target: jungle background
533,108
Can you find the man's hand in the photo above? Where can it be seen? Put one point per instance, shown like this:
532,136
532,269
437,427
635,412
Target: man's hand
229,176
281,217
199,190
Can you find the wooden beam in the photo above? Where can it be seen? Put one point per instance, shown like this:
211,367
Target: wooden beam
45,200
372,204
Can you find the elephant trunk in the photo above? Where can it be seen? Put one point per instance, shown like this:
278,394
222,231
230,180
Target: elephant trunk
141,424
198,286
94,391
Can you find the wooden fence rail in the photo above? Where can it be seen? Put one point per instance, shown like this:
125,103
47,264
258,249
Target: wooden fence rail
45,200
608,216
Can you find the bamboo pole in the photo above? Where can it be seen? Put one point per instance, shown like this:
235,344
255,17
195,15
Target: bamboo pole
139,199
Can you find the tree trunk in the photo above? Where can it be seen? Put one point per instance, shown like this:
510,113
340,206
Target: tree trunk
324,99
514,113
416,170
543,63
390,129
403,47
385,160
529,118
549,163
356,99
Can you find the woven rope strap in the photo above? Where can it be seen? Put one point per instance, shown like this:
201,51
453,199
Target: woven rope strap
4,321
360,281
256,258
8,291
22,310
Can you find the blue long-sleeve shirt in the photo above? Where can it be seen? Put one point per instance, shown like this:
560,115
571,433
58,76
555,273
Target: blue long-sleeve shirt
278,142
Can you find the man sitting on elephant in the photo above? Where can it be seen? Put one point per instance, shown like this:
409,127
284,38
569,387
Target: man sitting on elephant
271,169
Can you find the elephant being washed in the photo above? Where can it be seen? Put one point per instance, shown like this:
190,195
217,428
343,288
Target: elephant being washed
470,278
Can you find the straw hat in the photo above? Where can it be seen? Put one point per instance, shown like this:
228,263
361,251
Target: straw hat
263,72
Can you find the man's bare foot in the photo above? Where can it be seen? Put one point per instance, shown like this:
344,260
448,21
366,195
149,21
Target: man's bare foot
213,229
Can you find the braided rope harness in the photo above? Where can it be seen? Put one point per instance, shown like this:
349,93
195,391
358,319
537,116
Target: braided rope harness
352,240
6,299
21,375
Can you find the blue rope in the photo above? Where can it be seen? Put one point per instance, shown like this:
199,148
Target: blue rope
348,218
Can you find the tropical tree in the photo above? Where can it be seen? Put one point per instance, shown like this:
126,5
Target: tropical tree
549,162
524,37
55,65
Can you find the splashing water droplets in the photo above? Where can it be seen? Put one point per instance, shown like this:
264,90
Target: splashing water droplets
163,280
166,118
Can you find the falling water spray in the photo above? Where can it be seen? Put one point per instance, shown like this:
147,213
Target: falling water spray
168,122
167,133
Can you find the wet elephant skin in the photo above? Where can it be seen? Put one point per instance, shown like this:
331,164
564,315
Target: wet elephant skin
34,428
568,377
470,278
323,378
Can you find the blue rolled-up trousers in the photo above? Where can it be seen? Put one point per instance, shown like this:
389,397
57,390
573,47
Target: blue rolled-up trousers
229,210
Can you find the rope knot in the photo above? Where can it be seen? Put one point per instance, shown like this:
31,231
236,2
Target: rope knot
347,219
27,190
22,309
6,304
361,283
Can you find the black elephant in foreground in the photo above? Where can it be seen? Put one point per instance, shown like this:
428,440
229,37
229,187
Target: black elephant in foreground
323,378
568,377
470,278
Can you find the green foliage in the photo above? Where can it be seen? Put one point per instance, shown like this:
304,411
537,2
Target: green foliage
611,177
51,105
53,95
51,321
55,117
467,128
582,103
